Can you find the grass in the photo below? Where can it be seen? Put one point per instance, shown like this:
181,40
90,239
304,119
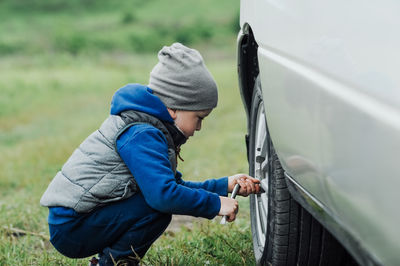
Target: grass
207,243
93,27
54,97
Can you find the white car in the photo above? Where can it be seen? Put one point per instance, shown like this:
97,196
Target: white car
320,81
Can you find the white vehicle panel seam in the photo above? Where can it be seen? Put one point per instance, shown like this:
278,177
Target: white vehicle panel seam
369,105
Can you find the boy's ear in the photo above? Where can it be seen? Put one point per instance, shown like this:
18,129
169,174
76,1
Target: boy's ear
172,113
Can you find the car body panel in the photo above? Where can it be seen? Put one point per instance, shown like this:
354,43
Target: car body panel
331,86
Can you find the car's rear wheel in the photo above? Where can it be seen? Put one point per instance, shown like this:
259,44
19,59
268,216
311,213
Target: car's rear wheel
283,232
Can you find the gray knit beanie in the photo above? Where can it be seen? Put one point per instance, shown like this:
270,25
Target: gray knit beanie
181,79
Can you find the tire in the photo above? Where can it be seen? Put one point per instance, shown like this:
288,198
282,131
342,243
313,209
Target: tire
283,232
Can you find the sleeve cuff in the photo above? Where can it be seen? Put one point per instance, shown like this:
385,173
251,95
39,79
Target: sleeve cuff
222,186
215,207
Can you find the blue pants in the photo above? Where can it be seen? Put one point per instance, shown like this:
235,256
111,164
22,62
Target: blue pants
112,230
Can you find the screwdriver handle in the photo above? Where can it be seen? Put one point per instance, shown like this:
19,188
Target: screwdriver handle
233,195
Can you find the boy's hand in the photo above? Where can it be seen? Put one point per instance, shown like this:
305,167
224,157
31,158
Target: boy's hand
229,207
248,184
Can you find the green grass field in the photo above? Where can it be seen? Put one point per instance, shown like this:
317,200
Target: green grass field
56,90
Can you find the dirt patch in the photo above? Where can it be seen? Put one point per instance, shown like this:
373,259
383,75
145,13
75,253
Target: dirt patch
179,221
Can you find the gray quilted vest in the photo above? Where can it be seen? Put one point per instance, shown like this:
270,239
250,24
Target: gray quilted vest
95,174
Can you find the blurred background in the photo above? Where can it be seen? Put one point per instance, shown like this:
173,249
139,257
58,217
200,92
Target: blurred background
91,27
60,63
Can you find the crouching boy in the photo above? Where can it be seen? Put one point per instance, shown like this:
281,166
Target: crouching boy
116,193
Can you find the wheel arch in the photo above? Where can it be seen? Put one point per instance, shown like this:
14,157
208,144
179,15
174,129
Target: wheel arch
248,69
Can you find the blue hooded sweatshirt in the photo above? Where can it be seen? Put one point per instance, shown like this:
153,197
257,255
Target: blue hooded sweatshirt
144,150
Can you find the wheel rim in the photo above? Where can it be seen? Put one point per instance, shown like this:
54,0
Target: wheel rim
261,173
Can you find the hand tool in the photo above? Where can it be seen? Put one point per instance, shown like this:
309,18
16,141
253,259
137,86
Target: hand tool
233,195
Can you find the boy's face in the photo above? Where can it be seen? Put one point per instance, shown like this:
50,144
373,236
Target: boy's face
188,121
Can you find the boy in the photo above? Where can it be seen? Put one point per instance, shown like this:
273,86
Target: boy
116,193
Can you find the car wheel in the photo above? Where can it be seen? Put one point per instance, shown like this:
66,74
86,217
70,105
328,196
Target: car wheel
283,232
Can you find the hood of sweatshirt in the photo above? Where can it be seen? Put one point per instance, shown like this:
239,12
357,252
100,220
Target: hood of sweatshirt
139,98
